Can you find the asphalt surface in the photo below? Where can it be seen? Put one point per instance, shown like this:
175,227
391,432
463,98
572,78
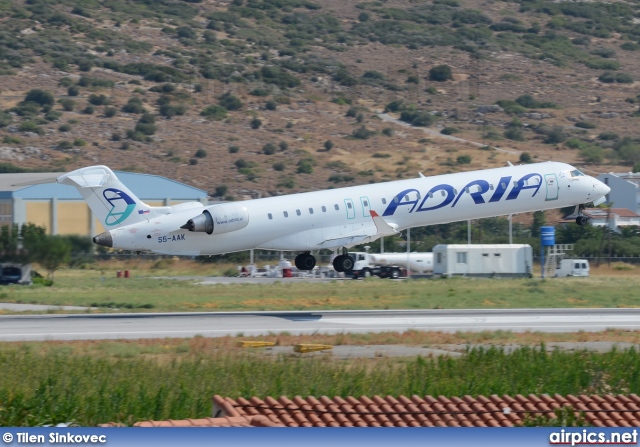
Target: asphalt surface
217,324
17,307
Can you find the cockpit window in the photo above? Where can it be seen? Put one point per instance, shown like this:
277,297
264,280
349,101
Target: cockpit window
576,173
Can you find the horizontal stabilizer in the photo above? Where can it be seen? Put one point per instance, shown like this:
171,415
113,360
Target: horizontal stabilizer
87,181
37,182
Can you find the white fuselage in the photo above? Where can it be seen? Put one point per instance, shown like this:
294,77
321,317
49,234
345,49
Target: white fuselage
321,219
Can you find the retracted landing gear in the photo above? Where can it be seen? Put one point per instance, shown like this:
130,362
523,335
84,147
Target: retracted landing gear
305,261
343,262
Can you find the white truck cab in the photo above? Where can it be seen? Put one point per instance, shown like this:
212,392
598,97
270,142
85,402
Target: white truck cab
572,267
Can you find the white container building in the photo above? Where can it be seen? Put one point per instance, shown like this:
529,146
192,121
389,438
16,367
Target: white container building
483,260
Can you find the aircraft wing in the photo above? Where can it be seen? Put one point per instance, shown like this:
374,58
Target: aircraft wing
377,229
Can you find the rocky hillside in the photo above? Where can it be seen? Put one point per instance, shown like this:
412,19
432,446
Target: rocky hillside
249,98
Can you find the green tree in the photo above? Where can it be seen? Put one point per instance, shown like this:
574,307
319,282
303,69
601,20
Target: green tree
440,73
39,96
215,112
99,100
525,157
514,133
269,149
221,190
52,253
134,105
230,101
362,133
67,104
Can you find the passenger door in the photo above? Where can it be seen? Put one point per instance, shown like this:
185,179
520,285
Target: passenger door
552,186
351,208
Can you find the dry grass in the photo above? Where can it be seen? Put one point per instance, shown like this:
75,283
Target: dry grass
169,348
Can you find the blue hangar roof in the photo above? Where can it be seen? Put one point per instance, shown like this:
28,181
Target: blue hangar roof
145,186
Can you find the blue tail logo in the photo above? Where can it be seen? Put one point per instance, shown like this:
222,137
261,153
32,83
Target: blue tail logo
121,206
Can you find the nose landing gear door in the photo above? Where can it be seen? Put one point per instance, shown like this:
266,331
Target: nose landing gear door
551,182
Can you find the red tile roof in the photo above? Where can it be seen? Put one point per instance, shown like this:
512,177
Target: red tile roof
415,411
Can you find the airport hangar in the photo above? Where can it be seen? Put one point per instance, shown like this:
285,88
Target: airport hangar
61,209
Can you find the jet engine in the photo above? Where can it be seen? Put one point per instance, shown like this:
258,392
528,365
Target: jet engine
218,219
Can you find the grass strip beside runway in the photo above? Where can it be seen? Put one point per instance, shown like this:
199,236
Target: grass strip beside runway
143,293
51,383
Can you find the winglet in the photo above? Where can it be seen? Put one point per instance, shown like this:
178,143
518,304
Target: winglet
510,164
421,175
383,228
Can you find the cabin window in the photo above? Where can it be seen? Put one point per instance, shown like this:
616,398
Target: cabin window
442,193
395,199
285,213
431,195
270,216
503,185
310,210
324,209
515,183
349,205
365,203
491,187
461,257
438,258
384,201
497,255
336,207
485,255
455,192
298,212
468,190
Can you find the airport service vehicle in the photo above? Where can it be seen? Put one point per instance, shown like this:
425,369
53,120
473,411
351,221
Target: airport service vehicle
390,265
572,267
330,219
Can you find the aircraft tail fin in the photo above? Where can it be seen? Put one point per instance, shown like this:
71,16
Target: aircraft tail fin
109,199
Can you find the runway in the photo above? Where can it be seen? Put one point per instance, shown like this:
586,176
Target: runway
218,324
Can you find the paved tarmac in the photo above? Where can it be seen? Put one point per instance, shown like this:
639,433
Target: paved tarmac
217,324
16,307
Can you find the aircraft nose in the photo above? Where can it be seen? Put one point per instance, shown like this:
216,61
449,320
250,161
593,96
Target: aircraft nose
602,188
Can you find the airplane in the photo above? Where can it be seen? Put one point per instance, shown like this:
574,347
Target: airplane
334,219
